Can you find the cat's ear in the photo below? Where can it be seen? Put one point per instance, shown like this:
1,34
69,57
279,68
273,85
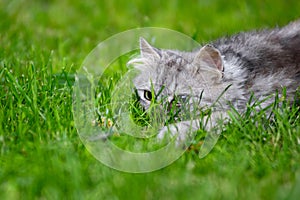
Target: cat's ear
210,57
148,51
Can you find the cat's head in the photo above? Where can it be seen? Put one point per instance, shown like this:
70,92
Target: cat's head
169,75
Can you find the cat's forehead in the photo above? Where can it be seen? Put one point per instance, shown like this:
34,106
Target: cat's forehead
170,71
173,59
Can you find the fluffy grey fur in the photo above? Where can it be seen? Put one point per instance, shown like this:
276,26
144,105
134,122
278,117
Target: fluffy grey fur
260,62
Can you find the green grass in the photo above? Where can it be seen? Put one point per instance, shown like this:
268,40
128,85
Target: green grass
42,43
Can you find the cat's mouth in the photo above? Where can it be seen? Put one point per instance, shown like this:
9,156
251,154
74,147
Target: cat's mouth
179,108
177,102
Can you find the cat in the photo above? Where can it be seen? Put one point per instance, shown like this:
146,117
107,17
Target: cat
223,73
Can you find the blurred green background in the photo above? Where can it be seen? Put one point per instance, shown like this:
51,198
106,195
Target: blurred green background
43,42
70,29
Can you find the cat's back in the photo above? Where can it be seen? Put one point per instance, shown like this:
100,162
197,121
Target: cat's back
264,51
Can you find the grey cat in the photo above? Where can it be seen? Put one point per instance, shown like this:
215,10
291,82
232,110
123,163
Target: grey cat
224,72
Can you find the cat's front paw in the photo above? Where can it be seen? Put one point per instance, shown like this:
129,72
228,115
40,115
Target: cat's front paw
167,132
176,133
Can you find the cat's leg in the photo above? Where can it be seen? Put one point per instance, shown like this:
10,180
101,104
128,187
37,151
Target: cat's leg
183,132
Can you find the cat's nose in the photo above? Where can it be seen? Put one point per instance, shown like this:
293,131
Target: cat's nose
170,106
170,103
173,103
170,99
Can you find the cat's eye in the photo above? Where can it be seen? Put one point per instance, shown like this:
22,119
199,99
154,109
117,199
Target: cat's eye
147,95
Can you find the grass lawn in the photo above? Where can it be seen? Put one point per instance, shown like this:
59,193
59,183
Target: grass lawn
43,42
